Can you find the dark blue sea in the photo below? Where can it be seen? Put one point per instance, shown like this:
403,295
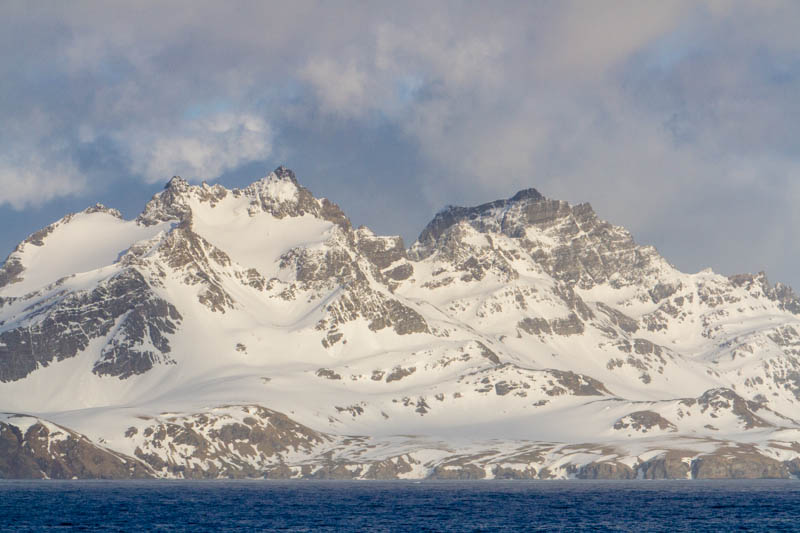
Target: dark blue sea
400,506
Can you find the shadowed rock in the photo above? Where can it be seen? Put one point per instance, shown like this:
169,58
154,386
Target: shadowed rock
606,470
54,452
10,272
669,465
644,421
64,324
741,462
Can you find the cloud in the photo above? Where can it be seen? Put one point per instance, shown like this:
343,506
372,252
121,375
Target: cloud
33,181
36,165
340,89
588,39
197,149
389,72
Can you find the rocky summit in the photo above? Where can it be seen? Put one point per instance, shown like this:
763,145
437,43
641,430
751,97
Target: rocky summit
256,333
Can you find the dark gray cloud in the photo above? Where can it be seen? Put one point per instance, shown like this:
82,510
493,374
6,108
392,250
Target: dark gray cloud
676,119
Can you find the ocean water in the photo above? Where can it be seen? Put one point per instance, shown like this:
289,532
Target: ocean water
400,506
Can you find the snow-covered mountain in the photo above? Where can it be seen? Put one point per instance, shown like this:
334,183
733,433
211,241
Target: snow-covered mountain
254,332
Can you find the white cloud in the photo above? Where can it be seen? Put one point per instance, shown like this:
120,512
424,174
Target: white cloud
394,61
340,88
35,166
196,149
33,181
589,38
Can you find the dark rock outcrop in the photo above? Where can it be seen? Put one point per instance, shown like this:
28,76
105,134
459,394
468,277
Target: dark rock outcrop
738,463
451,215
606,470
644,421
54,452
458,471
10,271
244,441
726,400
669,465
61,326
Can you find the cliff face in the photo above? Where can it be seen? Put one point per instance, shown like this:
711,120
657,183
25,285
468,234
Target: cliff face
253,332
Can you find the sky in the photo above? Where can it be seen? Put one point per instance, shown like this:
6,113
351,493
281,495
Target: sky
678,120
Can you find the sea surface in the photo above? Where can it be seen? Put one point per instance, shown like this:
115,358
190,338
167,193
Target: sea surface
400,506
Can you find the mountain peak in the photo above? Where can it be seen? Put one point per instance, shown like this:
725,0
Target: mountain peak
286,174
495,211
177,182
100,208
527,194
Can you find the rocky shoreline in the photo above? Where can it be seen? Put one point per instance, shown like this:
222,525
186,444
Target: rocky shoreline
38,449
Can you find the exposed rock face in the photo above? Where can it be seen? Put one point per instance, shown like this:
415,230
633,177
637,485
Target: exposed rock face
580,385
234,442
399,373
381,251
536,208
197,261
391,468
462,467
618,318
123,310
644,421
669,465
780,293
387,254
589,251
606,470
717,400
380,310
328,374
738,463
465,472
10,271
254,442
44,450
508,378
